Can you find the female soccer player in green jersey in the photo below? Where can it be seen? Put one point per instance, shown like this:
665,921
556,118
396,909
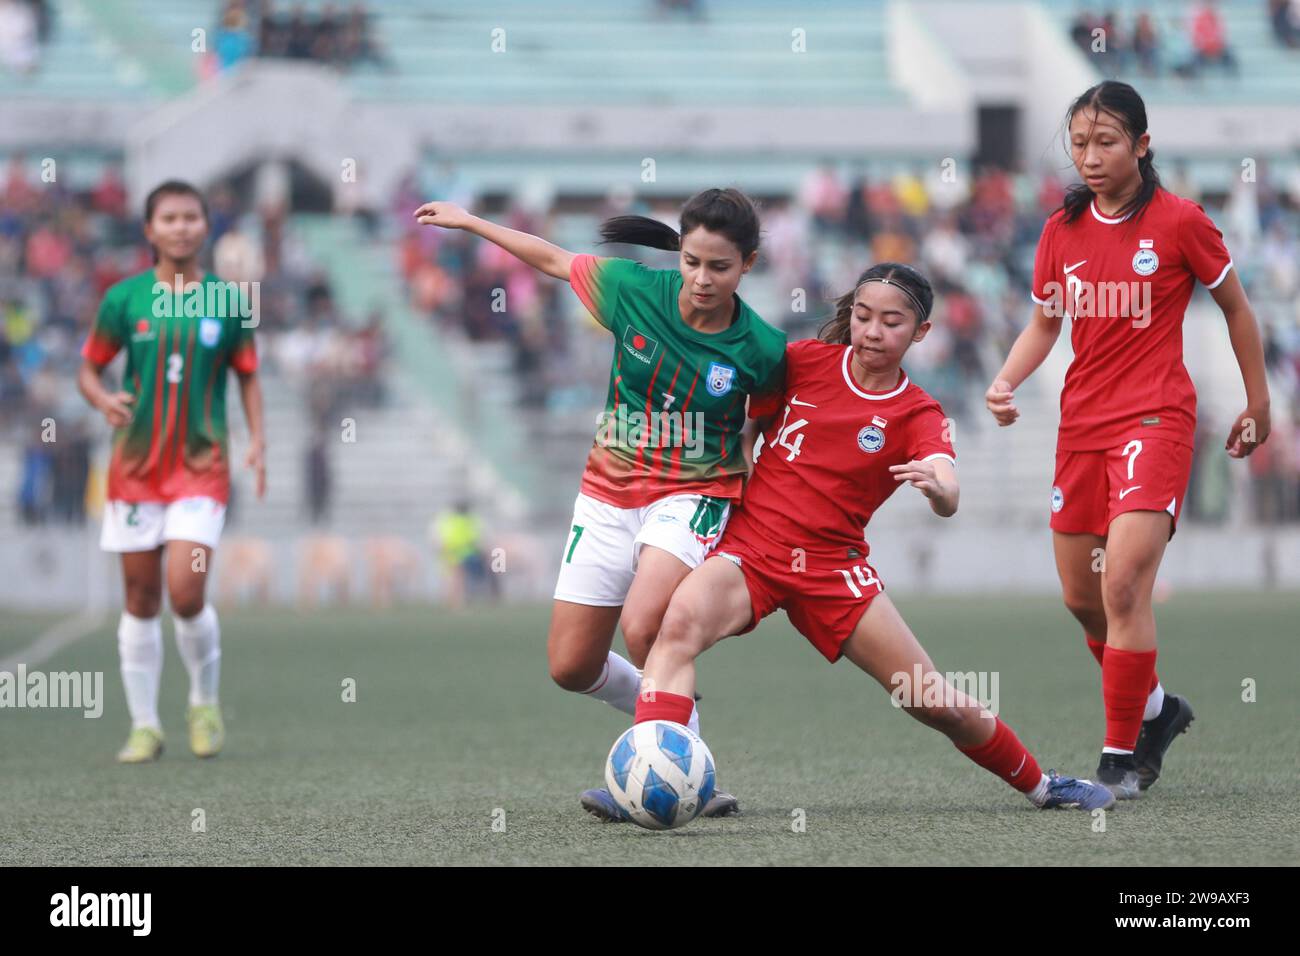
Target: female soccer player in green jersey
668,459
168,479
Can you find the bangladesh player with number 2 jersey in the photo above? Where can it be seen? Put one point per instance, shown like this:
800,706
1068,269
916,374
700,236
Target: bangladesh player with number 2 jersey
1120,259
669,457
845,431
169,475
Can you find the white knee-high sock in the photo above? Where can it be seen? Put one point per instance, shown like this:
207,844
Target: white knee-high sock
199,640
139,648
693,725
618,685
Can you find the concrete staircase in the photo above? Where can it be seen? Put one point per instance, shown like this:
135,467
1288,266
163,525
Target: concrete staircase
402,467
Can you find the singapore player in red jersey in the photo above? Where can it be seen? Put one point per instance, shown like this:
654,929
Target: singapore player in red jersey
847,429
1121,258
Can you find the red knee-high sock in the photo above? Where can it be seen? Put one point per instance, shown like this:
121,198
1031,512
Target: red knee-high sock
1004,755
664,706
1098,649
1126,682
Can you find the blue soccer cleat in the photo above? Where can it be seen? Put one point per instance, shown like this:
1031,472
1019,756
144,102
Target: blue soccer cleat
1071,793
600,803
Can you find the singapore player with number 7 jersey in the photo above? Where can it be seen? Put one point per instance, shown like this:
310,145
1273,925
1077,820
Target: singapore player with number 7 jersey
1120,259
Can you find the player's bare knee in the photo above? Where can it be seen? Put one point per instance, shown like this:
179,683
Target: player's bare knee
186,603
185,596
575,675
682,632
143,600
639,632
1088,613
1123,596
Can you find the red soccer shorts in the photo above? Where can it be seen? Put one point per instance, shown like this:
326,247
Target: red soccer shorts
824,598
1142,474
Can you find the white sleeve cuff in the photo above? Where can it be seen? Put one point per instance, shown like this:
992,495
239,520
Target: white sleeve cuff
1222,275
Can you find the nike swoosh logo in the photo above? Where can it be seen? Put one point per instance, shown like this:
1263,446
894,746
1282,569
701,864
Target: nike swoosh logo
794,400
1016,772
1127,490
1069,269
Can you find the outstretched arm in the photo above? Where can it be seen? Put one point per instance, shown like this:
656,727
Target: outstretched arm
1251,428
531,250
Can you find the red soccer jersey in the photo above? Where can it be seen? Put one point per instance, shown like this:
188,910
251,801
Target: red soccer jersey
822,469
1125,284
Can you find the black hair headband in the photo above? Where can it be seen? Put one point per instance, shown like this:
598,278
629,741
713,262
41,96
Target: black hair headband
920,309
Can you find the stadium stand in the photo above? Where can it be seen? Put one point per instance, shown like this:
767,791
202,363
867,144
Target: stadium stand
400,338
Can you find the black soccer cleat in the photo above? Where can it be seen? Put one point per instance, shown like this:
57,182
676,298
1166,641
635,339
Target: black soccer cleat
1118,774
721,804
1156,736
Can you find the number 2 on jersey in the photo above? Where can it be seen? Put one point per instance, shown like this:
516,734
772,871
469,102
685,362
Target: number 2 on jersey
174,364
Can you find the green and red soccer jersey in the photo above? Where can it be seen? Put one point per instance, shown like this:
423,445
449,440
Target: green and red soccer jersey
676,400
177,354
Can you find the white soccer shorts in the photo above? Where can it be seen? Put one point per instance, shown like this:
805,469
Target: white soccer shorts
144,525
604,543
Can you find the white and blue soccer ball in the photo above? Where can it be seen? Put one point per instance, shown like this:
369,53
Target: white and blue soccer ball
661,774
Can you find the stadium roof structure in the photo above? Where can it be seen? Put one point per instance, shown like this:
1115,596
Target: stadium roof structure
585,94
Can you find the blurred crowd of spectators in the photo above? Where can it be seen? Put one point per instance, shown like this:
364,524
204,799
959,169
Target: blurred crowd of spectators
1184,48
975,241
454,278
327,34
61,248
1185,43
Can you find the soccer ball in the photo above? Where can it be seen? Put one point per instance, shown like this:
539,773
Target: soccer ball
661,774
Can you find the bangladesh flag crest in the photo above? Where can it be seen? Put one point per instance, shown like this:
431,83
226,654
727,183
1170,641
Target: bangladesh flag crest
639,344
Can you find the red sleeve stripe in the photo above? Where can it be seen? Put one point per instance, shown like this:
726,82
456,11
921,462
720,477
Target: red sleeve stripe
99,349
583,280
245,359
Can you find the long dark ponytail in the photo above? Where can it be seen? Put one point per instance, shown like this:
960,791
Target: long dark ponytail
914,286
726,211
1125,104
